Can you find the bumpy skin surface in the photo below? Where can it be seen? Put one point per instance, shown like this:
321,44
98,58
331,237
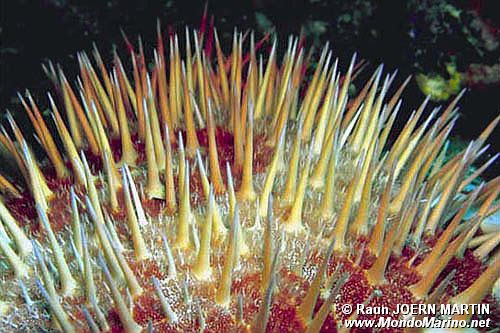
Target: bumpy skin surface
157,187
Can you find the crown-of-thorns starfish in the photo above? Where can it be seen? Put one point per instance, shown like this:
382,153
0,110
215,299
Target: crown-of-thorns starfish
244,193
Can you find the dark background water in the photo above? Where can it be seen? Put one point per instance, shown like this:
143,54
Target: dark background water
412,36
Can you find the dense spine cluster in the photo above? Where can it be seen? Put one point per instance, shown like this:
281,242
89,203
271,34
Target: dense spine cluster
245,192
